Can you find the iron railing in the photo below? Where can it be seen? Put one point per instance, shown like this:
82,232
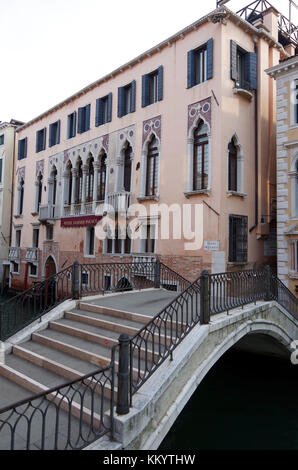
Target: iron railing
67,417
255,11
235,289
160,336
28,306
77,413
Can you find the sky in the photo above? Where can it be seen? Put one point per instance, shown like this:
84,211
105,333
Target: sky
50,49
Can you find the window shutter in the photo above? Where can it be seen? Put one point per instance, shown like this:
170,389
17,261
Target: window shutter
58,132
44,138
160,83
50,135
145,90
36,142
109,107
209,59
133,96
19,150
74,123
98,112
69,131
25,147
233,60
251,61
87,117
80,120
190,68
120,101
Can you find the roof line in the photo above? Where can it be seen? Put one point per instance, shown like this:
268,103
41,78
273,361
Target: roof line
153,50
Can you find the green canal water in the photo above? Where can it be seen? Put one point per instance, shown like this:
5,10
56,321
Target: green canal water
246,402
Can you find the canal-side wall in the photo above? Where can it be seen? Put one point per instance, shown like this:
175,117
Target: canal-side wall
162,398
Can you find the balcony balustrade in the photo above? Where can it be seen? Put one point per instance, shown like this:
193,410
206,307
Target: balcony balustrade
14,253
31,254
119,201
47,212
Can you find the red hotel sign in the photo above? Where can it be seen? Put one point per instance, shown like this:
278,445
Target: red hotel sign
82,221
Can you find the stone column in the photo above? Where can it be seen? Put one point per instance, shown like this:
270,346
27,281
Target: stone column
85,173
189,182
96,166
74,173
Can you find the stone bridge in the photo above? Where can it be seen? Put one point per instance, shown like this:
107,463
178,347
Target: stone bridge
162,398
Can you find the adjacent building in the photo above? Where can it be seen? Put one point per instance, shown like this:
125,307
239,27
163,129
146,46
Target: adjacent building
7,147
286,77
188,125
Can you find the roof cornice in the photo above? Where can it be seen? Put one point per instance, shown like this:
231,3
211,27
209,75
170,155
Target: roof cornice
284,66
221,15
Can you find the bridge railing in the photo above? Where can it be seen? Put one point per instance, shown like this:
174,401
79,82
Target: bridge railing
67,417
235,289
26,307
283,296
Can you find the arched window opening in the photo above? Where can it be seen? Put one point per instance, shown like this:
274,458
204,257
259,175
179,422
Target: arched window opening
79,182
200,158
152,167
90,181
39,190
101,189
233,167
21,196
127,168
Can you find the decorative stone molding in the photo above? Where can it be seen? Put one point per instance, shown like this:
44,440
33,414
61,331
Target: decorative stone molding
150,126
201,109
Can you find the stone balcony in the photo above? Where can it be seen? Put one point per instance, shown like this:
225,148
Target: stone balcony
32,254
119,201
14,253
84,208
47,212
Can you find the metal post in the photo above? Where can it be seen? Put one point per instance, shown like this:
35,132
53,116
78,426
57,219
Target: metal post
123,375
75,281
204,298
157,274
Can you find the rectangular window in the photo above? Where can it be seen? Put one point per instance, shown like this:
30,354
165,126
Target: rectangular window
152,87
237,238
15,267
89,241
84,279
32,269
200,64
126,99
1,139
54,137
49,232
107,281
243,67
103,110
1,162
294,255
22,148
71,125
84,119
41,139
18,238
150,239
35,238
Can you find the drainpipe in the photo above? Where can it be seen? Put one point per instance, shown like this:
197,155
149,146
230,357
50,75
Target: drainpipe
256,157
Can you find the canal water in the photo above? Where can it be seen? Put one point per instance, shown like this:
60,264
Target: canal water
246,402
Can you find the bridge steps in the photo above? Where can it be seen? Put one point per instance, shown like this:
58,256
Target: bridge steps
77,344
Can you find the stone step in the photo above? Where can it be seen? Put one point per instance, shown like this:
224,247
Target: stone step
62,401
135,317
100,323
58,368
64,345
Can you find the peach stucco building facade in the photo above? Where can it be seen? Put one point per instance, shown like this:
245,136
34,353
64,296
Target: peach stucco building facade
190,122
